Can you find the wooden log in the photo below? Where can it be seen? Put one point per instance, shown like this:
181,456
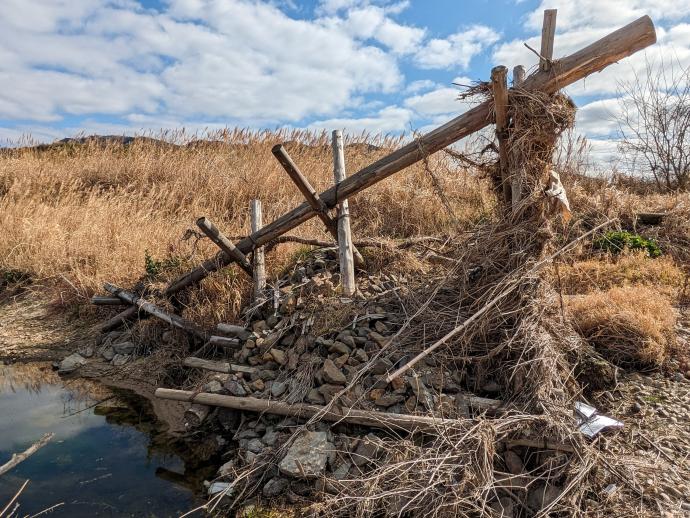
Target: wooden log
594,58
345,246
98,300
258,256
373,419
153,310
222,341
21,457
195,415
224,367
310,194
227,246
548,33
125,316
518,76
499,85
236,331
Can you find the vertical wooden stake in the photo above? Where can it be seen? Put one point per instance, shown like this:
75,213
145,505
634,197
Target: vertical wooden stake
345,247
515,178
258,255
548,33
518,76
499,83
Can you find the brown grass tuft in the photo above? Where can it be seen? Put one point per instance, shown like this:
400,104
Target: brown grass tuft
629,326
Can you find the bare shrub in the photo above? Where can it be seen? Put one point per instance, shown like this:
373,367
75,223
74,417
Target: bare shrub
654,124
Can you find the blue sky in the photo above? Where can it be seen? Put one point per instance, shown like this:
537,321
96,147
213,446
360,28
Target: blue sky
133,66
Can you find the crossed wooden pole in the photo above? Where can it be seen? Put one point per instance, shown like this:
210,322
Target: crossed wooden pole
551,76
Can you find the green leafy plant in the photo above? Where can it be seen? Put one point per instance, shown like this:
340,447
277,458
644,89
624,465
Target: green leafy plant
616,241
155,267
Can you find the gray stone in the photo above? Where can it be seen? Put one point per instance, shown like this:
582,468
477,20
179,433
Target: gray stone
124,347
87,352
235,388
388,400
213,386
340,348
108,353
542,495
361,355
270,437
279,356
120,359
255,446
342,470
275,487
347,340
513,463
307,456
678,377
71,363
381,366
315,398
278,388
332,374
368,449
227,469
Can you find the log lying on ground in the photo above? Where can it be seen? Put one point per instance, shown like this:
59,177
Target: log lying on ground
21,457
594,58
222,341
121,318
153,310
98,300
227,368
373,419
195,415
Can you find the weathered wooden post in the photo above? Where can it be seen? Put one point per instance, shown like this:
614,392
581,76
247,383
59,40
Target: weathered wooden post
548,33
499,84
518,76
345,247
227,246
258,255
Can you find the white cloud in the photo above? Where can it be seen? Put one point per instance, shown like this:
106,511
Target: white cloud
392,119
436,102
202,58
457,50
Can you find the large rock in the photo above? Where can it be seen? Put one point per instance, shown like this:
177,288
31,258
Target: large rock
307,456
124,347
275,487
332,374
71,363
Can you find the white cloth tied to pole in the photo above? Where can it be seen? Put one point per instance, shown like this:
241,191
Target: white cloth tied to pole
558,199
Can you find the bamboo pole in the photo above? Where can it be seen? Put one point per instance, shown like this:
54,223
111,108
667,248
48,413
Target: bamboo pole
374,419
258,256
153,310
345,246
499,85
548,33
594,58
310,194
227,246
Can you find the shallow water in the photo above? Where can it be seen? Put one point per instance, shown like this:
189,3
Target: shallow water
105,460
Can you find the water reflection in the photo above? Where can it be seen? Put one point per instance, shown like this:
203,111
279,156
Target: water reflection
106,460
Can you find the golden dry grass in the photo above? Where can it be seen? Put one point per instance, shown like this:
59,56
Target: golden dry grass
632,325
633,269
76,216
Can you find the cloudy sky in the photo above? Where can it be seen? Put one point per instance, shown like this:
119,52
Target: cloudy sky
128,66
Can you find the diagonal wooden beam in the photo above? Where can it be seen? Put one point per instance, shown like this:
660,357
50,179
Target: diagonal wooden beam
312,197
594,58
227,246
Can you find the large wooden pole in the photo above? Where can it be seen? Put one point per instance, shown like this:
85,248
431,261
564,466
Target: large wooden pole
374,419
499,86
310,194
548,33
594,58
345,246
258,257
227,246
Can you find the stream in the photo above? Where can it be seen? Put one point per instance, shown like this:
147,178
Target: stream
109,459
